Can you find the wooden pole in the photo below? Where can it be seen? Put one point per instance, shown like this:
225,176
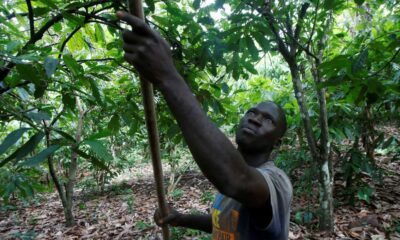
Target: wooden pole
136,8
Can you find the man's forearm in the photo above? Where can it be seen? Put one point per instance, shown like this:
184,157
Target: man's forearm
199,222
216,156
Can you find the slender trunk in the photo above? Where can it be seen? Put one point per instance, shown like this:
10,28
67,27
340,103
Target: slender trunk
368,134
288,49
73,167
299,94
299,134
53,174
326,171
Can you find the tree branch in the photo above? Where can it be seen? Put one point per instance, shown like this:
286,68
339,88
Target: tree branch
39,34
67,39
266,12
31,20
313,27
302,14
387,64
13,15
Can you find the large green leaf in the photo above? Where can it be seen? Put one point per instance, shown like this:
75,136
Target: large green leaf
98,148
38,116
72,64
68,99
65,135
114,124
329,4
50,65
33,161
11,139
196,4
95,90
25,149
359,2
101,134
99,33
360,61
95,161
28,72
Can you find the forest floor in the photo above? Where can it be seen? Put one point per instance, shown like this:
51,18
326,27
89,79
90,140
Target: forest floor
125,211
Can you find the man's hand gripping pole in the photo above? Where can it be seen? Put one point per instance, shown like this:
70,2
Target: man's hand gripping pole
136,8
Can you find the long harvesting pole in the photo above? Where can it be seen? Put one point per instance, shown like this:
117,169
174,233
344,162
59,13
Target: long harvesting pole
136,8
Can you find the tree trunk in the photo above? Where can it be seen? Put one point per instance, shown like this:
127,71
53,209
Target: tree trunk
53,174
305,117
368,134
288,49
73,167
326,171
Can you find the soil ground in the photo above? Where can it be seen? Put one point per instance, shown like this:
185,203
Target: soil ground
125,211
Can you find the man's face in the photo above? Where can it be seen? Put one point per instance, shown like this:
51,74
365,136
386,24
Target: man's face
260,128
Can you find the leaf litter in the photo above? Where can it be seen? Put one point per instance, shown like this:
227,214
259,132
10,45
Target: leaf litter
125,210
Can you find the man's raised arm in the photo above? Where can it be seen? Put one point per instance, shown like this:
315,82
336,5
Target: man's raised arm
216,156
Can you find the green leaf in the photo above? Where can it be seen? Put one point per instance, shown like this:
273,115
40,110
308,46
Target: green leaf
360,61
359,2
252,48
196,4
219,3
95,90
50,65
72,64
225,88
11,27
65,135
98,148
114,124
365,193
249,67
40,89
99,135
39,11
38,116
57,27
298,217
11,139
33,161
95,161
308,217
151,5
329,4
99,33
28,147
49,3
28,72
68,99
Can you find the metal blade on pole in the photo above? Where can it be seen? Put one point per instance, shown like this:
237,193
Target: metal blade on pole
136,8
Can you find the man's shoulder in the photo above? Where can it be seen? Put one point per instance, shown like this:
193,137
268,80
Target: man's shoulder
277,176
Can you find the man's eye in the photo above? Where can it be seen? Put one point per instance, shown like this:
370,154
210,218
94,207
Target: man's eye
268,120
251,113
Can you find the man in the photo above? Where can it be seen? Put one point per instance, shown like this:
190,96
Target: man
255,195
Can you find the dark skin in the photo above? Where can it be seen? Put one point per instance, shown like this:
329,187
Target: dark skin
232,171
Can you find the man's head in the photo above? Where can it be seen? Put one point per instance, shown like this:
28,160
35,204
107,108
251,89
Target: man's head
261,128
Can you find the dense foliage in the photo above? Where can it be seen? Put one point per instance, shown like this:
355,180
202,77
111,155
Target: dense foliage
71,109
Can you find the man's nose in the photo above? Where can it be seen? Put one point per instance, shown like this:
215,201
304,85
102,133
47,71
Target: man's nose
256,120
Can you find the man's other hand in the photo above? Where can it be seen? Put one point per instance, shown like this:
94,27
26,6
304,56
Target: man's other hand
146,50
171,219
